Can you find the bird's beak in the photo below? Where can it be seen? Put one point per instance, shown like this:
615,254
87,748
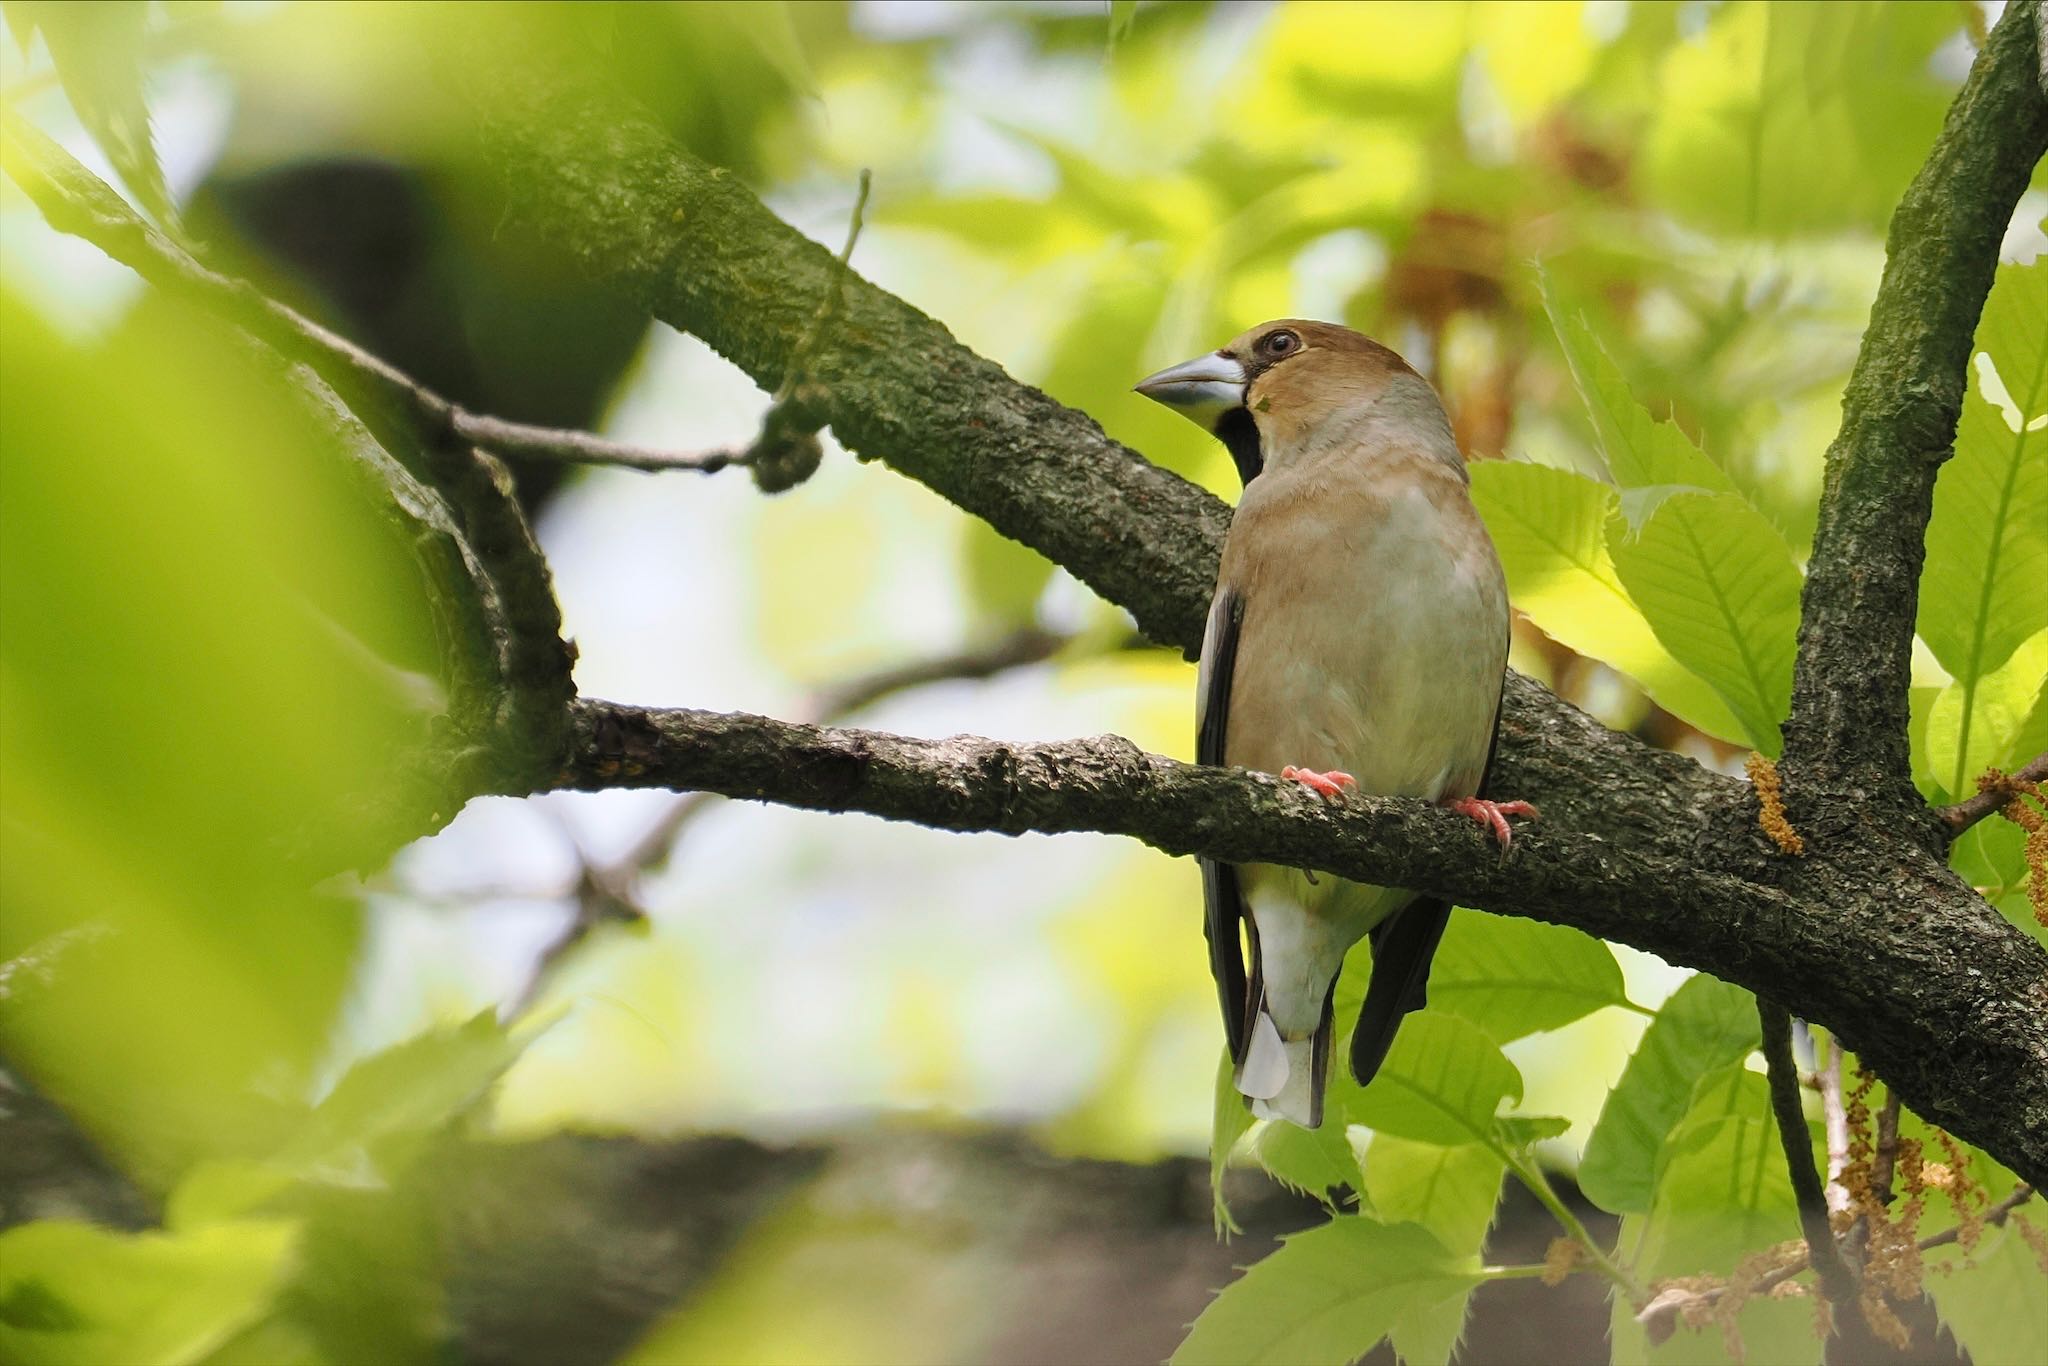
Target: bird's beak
1203,389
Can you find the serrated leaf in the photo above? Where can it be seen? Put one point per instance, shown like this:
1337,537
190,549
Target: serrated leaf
1315,1162
1327,1295
1518,1133
1977,1303
1706,1024
1641,452
1550,527
1975,726
1230,1120
1451,1191
1442,1082
97,50
410,1089
75,1293
1984,589
1724,1194
1513,976
1718,586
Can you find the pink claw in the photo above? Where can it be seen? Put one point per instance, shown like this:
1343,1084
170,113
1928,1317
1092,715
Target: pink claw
1492,815
1329,786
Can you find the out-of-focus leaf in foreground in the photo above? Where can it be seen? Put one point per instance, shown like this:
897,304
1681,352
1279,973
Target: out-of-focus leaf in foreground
200,618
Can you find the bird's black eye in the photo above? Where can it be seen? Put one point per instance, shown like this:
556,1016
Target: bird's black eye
1278,344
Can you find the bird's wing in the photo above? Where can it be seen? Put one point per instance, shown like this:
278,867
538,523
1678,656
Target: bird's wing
1223,905
1402,946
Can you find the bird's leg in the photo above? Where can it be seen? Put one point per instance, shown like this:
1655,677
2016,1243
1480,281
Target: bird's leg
1492,815
1328,786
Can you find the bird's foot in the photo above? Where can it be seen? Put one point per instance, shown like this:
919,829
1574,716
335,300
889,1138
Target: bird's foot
1329,786
1492,815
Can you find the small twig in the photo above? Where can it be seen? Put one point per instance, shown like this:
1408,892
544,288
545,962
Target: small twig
1673,1301
1828,1072
1531,1176
1838,1282
77,202
1887,1151
1994,790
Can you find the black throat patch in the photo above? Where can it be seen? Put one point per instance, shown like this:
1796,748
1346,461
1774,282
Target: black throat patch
1240,436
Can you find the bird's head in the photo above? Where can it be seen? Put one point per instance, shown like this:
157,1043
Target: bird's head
1268,392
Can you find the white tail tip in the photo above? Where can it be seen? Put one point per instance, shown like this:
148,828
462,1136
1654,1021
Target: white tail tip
1279,1075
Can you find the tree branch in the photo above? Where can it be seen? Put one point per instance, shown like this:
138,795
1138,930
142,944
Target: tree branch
1837,1282
1992,795
1899,414
1891,952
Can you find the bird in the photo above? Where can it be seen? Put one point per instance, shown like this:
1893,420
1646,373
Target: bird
1357,640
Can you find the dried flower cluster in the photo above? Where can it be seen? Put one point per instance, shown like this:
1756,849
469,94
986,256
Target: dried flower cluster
1770,796
2030,819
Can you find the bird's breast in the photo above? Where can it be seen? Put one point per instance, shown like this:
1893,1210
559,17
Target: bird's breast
1374,634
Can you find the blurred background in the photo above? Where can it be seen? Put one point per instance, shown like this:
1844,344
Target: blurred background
957,1089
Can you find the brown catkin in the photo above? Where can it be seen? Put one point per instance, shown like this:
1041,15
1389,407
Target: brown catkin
1770,796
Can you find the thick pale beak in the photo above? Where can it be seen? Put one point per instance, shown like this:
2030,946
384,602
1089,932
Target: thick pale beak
1203,389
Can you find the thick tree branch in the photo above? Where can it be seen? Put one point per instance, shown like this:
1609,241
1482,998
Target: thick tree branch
1889,950
1899,415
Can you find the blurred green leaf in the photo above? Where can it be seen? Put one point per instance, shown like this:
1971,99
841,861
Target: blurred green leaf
76,1295
1327,1295
1706,1024
1805,117
1978,1302
1442,1082
409,1089
201,606
1122,14
1550,527
98,52
1981,592
1974,726
1451,1191
1513,976
1719,587
1645,456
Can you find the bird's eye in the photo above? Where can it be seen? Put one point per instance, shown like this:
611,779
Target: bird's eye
1279,344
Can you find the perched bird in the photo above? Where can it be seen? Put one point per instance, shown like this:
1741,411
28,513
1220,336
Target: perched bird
1358,638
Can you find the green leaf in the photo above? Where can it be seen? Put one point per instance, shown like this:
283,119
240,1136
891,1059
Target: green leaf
1451,1191
1550,527
98,50
1718,585
1706,1024
1313,1161
410,1089
1641,452
1122,14
1974,726
1230,1120
1724,1194
1327,1295
1442,1082
1985,584
1519,1133
1513,976
75,1294
1978,1303
1796,118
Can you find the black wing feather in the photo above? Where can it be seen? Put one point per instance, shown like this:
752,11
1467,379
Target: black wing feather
1222,896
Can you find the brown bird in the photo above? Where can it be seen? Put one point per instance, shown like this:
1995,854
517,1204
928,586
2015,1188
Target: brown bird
1358,638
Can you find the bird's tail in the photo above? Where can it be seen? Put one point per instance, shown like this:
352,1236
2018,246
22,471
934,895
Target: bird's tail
1282,1077
1402,946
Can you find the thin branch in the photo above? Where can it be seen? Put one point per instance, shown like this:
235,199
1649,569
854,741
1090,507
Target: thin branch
1899,415
1837,1281
1992,795
1663,1312
1835,1115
